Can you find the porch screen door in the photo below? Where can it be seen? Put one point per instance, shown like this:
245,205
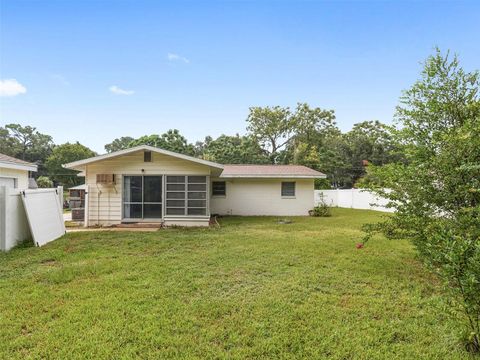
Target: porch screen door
142,197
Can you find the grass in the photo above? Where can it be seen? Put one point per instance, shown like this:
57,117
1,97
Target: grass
250,289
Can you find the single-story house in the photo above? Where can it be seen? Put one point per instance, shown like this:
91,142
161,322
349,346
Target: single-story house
15,173
148,184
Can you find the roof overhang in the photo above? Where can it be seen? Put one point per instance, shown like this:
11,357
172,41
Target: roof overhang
79,165
286,176
16,166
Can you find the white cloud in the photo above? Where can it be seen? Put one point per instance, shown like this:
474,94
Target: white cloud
119,91
176,57
11,87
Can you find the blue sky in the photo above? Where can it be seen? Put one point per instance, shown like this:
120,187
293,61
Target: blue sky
91,71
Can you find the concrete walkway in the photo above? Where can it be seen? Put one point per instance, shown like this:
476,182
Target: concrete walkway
82,229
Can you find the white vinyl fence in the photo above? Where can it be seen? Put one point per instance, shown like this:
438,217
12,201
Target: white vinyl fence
353,199
14,226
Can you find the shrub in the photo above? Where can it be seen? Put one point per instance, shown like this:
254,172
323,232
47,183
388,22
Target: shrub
44,182
436,193
322,209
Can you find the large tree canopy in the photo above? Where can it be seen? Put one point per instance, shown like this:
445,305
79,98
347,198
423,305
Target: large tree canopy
171,140
276,128
26,143
119,144
235,150
436,192
63,154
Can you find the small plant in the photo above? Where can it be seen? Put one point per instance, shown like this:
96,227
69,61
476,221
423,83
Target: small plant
322,209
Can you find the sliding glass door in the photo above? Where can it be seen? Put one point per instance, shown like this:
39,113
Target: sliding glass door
142,197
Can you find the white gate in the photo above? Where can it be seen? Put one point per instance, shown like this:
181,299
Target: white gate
45,214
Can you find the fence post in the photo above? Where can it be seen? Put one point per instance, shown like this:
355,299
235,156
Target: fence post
3,217
60,196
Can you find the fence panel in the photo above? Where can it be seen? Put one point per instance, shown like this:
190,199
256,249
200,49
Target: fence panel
352,199
14,227
13,221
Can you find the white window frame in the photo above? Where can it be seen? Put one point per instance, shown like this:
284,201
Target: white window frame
15,180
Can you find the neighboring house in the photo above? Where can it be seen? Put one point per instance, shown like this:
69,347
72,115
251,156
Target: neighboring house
15,173
148,184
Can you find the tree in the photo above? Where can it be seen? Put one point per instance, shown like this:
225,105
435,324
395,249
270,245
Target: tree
436,192
278,129
7,143
370,142
235,150
119,144
44,182
273,128
63,154
26,143
171,140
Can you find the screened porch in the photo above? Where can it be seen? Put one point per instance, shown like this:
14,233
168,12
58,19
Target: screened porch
151,198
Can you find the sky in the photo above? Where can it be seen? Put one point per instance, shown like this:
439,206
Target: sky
92,71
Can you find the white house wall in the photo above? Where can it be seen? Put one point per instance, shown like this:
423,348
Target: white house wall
105,201
20,175
263,197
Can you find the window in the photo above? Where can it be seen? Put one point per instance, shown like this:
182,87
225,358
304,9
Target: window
8,182
218,188
288,189
186,195
147,156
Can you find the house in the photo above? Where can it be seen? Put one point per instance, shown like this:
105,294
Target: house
148,184
15,173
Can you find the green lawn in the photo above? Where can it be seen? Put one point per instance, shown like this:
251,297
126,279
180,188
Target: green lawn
251,289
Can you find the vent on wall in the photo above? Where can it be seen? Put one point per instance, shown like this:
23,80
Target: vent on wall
105,178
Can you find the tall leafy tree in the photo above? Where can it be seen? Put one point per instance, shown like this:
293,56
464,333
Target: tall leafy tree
119,144
171,140
26,143
273,127
370,142
279,129
63,154
436,192
235,150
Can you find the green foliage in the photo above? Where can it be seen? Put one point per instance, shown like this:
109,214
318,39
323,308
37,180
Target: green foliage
171,140
322,209
273,128
322,184
235,150
119,144
44,182
436,192
277,129
26,143
63,154
251,289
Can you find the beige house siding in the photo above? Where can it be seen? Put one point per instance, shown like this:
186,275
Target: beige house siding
20,175
104,204
263,197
